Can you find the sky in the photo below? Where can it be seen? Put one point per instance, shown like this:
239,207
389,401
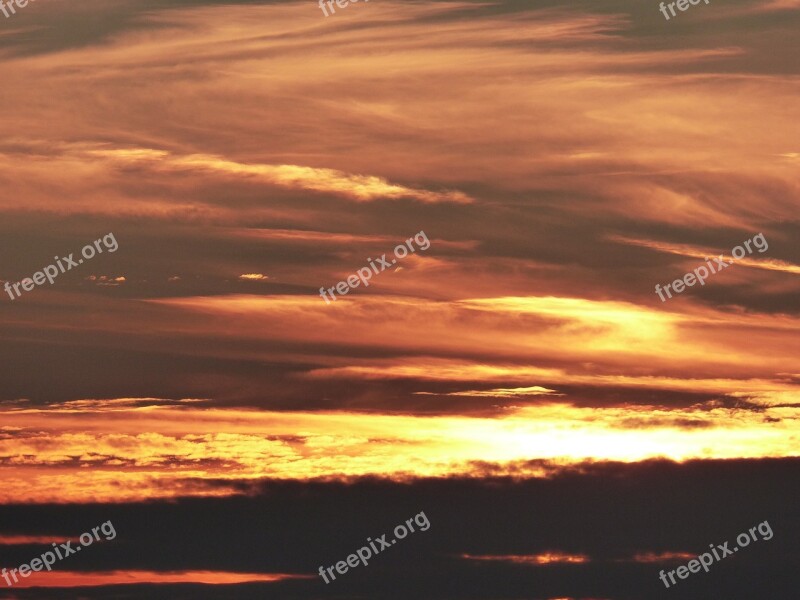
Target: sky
516,184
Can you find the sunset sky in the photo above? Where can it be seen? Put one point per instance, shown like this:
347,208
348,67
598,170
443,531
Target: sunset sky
567,432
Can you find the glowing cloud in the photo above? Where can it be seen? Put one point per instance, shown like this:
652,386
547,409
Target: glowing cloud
164,450
547,558
361,188
70,579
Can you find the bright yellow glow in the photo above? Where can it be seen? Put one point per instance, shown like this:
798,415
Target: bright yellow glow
162,450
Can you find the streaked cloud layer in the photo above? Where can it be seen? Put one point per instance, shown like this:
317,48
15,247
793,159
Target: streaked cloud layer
562,160
272,169
122,454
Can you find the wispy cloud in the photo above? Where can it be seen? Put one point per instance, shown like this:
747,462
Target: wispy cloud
360,188
705,253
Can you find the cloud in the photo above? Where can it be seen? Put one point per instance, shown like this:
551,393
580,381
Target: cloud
84,579
766,263
360,188
133,452
535,390
535,559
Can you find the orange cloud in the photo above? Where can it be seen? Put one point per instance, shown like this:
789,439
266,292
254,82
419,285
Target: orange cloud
164,451
22,540
547,558
361,188
70,579
766,263
572,330
661,557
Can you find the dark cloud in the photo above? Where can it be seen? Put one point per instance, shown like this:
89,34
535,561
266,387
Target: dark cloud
605,511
